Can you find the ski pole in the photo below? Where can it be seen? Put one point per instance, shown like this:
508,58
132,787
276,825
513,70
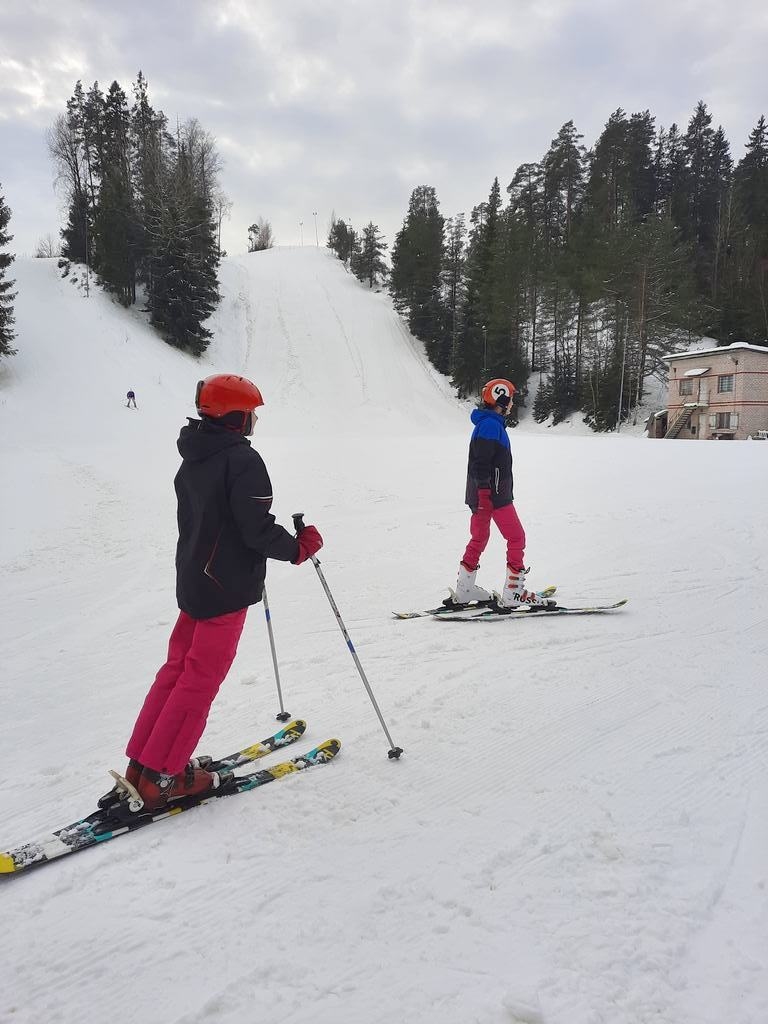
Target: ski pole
283,716
393,752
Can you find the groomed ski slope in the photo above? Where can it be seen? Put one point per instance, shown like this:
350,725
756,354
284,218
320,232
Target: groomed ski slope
577,832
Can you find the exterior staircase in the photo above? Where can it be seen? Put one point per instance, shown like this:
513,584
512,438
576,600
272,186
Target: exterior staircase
681,422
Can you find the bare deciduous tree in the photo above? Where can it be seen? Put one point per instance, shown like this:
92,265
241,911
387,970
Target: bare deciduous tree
47,248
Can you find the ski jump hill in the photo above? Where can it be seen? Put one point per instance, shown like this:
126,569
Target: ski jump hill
577,829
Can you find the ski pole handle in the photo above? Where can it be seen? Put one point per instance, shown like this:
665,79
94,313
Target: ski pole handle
299,525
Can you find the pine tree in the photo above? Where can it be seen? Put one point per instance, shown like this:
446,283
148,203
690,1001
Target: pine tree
369,264
564,184
563,179
6,295
342,239
526,204
454,291
149,143
184,289
116,232
672,194
748,258
415,278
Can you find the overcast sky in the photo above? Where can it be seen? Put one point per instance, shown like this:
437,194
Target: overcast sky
347,105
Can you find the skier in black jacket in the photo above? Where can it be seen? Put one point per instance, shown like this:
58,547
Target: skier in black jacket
226,535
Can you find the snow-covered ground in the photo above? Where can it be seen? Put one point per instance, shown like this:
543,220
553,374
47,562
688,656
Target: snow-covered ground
577,832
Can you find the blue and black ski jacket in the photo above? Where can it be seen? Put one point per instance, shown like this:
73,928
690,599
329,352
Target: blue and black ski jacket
490,460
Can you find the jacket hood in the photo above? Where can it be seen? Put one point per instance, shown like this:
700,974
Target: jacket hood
200,439
478,415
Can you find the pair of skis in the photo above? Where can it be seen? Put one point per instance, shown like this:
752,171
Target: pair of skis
103,825
491,611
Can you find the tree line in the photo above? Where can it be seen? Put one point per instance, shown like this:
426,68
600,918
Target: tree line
595,264
144,206
6,284
362,251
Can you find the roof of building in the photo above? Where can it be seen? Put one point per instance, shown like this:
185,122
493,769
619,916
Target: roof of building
715,351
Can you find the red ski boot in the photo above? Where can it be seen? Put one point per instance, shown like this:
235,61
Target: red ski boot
158,789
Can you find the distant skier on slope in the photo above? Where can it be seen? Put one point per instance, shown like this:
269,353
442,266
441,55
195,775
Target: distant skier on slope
131,399
489,496
226,535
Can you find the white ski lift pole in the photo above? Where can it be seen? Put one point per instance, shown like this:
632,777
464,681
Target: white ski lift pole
283,715
393,752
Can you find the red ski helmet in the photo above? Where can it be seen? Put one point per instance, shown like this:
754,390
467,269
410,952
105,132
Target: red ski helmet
224,393
499,392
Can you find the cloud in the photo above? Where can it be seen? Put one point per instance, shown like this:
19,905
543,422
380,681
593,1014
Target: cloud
348,105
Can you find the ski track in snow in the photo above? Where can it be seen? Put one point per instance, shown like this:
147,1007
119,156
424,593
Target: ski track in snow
576,833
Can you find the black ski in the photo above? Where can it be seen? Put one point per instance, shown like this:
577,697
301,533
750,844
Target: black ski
449,607
497,614
103,825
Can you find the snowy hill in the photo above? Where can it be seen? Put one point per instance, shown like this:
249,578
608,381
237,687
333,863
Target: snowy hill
577,830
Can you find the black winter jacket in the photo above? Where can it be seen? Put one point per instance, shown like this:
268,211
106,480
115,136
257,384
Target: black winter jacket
226,532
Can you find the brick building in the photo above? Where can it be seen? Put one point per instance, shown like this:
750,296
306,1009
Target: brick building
718,393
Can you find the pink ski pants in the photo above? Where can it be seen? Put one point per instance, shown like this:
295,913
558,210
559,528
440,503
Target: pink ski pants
171,722
510,529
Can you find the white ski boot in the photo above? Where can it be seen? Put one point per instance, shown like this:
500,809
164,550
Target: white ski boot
515,595
466,589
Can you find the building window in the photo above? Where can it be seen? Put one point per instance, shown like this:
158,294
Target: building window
724,420
686,386
725,382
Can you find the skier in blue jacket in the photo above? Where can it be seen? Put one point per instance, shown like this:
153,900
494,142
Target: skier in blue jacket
489,495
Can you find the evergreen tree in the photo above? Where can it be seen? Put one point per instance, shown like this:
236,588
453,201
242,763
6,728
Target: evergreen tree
115,224
708,174
472,359
342,240
6,295
415,278
184,289
149,142
453,280
369,264
526,204
748,258
563,180
76,232
672,195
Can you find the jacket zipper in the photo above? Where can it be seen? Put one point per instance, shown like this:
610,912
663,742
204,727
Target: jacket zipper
207,569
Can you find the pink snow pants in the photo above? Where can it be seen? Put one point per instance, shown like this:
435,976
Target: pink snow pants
510,528
171,722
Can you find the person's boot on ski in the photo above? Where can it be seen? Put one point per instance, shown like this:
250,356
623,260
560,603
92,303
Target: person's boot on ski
157,789
515,595
467,591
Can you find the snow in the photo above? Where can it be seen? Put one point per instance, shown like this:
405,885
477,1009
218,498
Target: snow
576,832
